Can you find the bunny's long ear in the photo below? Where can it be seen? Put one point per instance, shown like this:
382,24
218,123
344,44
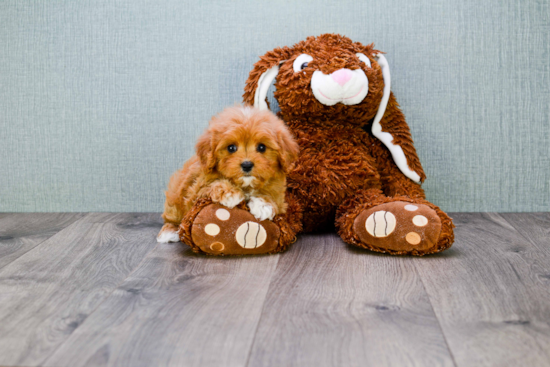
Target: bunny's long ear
261,77
396,135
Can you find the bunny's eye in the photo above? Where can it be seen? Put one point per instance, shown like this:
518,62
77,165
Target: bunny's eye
301,62
364,58
232,148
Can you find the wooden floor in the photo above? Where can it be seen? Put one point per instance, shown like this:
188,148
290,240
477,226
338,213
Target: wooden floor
96,289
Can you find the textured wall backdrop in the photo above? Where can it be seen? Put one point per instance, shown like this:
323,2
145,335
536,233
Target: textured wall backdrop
100,101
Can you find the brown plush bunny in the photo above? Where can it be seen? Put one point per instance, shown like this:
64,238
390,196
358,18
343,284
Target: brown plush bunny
357,170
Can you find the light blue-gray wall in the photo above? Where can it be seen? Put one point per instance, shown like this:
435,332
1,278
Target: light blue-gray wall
100,101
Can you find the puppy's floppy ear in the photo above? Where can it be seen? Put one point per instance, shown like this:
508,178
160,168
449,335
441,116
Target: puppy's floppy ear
261,77
289,149
205,151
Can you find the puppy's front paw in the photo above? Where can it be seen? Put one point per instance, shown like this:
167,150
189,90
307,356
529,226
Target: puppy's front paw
231,199
225,194
260,209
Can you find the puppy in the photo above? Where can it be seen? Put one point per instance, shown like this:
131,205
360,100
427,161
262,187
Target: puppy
244,154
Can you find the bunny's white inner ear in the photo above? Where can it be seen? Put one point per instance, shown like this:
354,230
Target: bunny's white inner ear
263,85
396,151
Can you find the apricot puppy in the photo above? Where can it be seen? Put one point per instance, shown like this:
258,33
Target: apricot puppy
244,154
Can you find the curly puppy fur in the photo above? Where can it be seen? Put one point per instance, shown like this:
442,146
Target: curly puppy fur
244,155
342,167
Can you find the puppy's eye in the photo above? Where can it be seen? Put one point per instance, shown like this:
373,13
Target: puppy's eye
301,62
232,148
261,148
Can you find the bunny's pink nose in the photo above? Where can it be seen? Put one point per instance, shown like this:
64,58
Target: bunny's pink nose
341,76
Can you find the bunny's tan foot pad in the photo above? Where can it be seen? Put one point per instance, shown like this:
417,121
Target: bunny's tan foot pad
399,227
218,230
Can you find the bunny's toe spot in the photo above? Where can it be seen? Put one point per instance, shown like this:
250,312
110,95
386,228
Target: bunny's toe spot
212,229
217,246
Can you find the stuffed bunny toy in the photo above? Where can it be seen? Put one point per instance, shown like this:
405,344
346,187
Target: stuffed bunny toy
357,171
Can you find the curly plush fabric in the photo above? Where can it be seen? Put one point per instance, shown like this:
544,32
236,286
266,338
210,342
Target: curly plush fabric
343,169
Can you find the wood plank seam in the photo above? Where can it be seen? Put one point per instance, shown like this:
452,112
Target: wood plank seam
29,250
46,239
488,293
520,232
41,242
435,314
119,232
100,303
339,313
262,313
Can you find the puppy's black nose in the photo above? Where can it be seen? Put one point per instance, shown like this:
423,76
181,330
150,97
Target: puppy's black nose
247,166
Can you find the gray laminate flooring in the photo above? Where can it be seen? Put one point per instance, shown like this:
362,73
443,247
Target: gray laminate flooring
97,290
